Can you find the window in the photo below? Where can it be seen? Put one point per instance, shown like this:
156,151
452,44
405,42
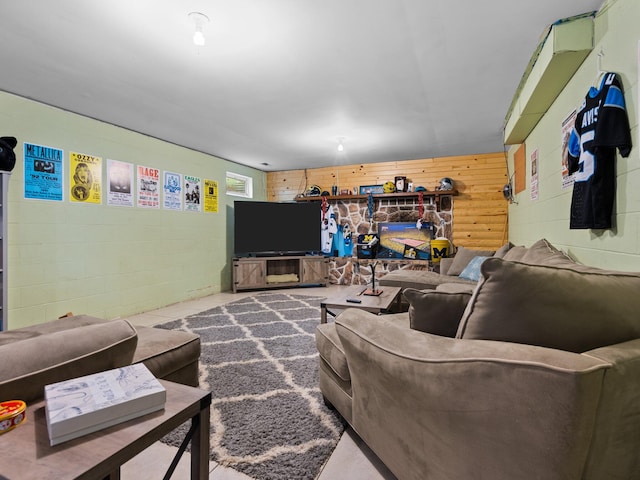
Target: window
239,185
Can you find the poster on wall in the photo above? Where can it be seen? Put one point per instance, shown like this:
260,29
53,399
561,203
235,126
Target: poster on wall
567,126
85,178
172,187
43,172
534,175
120,183
210,196
192,194
148,187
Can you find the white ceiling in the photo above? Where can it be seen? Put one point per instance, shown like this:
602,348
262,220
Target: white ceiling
281,81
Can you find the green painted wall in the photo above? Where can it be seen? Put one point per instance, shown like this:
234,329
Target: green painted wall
103,260
617,32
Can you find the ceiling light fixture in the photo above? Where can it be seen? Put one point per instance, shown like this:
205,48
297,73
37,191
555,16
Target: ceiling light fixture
340,144
199,19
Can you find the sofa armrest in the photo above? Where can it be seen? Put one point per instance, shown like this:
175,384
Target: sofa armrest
445,264
618,421
26,366
453,407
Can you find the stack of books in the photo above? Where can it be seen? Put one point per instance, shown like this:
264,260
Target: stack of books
87,404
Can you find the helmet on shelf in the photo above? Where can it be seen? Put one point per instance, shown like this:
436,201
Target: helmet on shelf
420,188
313,191
389,187
445,184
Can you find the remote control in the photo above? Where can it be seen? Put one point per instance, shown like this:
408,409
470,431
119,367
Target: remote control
353,300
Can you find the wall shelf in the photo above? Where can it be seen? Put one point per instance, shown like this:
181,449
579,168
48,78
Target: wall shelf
554,62
379,196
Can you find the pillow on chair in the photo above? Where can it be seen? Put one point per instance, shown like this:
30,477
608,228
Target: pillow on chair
574,309
463,257
436,312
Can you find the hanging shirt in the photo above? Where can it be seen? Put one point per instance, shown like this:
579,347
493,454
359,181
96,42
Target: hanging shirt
601,126
329,227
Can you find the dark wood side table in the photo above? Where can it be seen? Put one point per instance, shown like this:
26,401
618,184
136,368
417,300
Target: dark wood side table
27,454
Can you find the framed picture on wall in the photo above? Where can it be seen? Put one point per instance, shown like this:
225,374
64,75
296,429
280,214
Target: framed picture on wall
367,189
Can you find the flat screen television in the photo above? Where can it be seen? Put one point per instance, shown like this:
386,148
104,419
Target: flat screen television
276,228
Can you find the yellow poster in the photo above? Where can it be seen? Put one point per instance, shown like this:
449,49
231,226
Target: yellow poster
85,178
210,196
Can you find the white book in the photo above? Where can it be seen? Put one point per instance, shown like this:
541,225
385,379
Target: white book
87,404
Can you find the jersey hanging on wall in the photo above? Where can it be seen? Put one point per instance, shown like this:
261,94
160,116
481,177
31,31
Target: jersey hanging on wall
601,126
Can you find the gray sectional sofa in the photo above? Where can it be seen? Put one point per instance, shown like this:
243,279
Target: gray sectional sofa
534,375
69,347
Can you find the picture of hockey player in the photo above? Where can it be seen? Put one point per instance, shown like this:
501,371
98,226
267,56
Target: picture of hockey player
601,127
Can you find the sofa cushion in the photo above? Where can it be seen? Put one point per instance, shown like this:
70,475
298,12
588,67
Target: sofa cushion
515,253
419,279
574,309
502,251
436,312
170,354
463,257
472,270
40,359
331,350
543,253
456,287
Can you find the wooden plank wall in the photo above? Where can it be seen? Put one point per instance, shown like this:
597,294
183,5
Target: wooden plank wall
479,210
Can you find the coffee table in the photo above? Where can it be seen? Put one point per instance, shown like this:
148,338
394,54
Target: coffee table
375,304
27,454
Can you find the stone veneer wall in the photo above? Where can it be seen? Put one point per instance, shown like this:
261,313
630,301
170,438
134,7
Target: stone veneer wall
355,213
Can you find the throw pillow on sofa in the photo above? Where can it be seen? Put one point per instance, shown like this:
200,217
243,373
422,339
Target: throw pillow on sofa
543,253
436,312
472,270
573,309
463,257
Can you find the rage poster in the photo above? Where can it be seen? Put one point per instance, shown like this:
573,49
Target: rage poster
85,178
534,175
120,177
172,187
210,196
43,172
192,194
148,187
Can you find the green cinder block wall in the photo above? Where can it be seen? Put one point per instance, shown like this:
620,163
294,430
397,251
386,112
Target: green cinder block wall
104,260
617,35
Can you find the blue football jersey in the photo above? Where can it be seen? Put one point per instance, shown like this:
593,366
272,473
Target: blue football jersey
601,126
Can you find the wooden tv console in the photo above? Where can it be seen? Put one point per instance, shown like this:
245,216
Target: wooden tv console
251,273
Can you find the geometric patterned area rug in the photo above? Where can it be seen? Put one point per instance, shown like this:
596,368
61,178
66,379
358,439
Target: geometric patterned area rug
259,360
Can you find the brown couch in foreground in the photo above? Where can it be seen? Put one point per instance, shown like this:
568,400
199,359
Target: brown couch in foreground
35,356
538,378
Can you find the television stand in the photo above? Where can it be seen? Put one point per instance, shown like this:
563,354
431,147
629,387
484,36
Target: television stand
258,273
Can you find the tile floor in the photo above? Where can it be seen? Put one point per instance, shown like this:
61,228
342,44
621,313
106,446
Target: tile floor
350,460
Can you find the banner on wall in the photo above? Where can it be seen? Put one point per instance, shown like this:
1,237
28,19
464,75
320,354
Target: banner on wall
210,196
192,189
43,172
534,175
148,187
172,187
567,126
120,178
85,178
